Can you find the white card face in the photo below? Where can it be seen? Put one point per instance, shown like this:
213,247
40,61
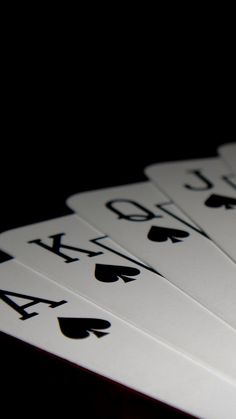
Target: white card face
73,254
228,153
47,316
150,226
206,192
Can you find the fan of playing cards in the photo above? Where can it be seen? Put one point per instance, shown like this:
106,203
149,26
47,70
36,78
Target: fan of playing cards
138,285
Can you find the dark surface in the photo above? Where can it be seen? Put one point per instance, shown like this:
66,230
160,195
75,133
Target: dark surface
53,386
38,175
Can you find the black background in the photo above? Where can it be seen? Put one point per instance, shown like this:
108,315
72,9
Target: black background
43,168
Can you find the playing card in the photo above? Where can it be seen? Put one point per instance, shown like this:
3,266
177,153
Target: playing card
228,153
141,219
206,192
75,255
47,316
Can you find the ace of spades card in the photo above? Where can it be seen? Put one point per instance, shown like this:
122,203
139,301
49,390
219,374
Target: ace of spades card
53,319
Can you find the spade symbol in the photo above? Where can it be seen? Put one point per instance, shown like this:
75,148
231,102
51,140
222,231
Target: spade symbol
112,273
217,201
162,234
80,328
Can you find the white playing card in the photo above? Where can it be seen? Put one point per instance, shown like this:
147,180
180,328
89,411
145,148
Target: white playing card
146,223
206,192
73,254
47,316
228,153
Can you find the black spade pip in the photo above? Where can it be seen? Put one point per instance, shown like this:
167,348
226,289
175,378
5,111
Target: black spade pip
219,201
80,328
162,234
112,273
